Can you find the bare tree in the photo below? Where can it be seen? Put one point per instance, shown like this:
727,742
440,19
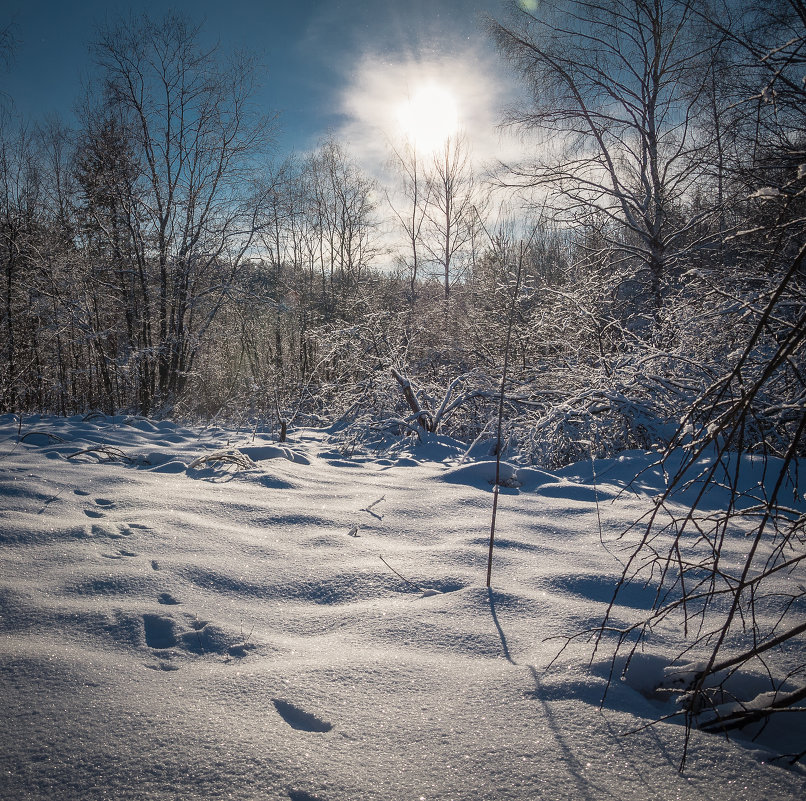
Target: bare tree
451,213
614,87
20,205
344,215
733,573
199,142
409,209
7,46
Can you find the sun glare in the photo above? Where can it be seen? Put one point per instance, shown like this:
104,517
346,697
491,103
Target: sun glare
429,117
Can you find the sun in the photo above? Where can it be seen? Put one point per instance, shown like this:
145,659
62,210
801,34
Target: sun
429,117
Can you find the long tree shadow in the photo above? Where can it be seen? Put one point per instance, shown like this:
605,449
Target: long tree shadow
567,748
575,767
504,644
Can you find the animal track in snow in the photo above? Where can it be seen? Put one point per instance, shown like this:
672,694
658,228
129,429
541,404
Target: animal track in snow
117,531
159,631
113,531
168,599
163,632
119,554
298,718
104,503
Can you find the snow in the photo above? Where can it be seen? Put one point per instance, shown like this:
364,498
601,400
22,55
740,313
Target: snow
766,192
207,614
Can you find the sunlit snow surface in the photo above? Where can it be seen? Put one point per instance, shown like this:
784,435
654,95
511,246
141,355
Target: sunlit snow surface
175,627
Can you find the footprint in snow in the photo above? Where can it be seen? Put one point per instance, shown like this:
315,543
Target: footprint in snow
114,531
168,599
159,631
119,555
104,503
163,634
298,718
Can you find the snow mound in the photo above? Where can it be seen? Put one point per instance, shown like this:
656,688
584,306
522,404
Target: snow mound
185,614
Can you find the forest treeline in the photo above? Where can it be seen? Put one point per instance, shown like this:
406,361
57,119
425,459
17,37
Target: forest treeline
160,259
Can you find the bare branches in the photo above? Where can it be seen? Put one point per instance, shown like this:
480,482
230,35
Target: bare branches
185,118
724,443
679,194
227,457
108,453
614,88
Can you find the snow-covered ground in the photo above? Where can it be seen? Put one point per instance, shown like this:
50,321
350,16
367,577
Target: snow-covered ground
304,625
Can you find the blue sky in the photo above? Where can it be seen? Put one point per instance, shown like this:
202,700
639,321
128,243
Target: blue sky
331,65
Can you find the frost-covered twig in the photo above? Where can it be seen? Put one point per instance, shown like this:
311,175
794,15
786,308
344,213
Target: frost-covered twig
230,456
111,452
48,434
374,503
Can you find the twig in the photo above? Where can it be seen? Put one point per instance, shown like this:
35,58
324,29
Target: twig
54,437
510,324
410,583
111,452
374,503
229,456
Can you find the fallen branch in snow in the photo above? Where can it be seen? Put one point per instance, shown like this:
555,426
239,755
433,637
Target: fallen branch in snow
231,456
696,676
423,417
54,437
741,715
111,452
452,400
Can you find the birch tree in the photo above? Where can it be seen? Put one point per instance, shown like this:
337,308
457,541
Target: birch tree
614,85
450,212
